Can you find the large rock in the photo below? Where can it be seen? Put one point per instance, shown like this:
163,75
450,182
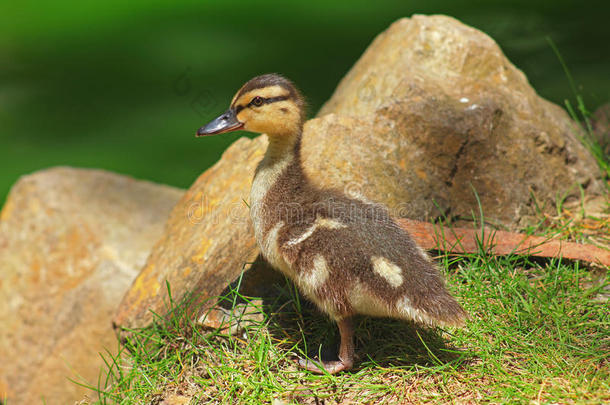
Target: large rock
600,122
207,241
431,108
71,242
456,115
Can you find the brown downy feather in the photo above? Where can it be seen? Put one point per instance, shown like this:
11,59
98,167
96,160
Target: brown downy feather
346,255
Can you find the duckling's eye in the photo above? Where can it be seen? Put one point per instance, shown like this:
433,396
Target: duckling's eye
257,101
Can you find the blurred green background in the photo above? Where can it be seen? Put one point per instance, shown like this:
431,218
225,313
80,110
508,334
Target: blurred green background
123,85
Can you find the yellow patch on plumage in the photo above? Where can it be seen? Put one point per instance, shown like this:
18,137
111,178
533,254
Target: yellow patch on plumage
424,254
363,302
406,310
281,117
311,279
319,223
330,223
388,270
270,250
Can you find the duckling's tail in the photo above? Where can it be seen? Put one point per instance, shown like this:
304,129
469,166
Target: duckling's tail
444,310
433,309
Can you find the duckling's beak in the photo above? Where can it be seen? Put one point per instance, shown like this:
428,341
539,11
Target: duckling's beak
225,123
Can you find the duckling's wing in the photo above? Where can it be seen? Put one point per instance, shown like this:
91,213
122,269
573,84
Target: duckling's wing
359,260
403,271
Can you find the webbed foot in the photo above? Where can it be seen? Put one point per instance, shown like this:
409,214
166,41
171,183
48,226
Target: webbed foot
346,353
322,367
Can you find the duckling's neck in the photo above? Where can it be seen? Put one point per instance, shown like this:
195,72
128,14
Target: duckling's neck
282,162
283,154
282,148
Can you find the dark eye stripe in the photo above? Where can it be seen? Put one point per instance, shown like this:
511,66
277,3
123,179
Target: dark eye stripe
265,101
274,99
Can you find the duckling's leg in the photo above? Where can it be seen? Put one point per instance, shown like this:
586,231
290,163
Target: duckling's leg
346,352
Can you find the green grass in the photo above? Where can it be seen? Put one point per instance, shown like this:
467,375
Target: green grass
539,332
582,116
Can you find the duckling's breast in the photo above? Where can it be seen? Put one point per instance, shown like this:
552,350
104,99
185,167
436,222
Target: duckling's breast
265,212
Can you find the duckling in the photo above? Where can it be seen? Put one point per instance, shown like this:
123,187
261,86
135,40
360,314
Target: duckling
346,255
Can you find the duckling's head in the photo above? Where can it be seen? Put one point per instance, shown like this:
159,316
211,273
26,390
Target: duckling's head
268,104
